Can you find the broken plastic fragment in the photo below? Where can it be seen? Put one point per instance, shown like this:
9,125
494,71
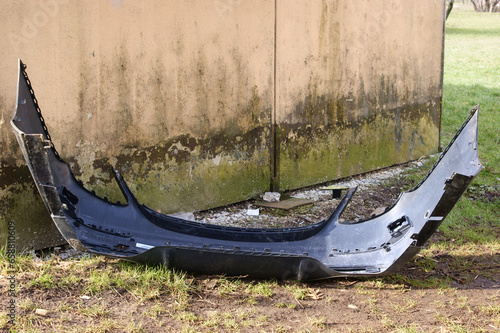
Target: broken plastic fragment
271,196
330,248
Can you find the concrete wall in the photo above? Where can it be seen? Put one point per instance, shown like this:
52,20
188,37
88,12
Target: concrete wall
203,103
359,90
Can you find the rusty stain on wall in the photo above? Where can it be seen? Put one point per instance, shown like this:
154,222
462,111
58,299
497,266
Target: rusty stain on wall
184,97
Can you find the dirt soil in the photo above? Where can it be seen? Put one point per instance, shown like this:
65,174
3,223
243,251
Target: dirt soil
416,300
435,292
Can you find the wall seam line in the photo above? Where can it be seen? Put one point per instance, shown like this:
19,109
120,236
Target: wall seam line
274,186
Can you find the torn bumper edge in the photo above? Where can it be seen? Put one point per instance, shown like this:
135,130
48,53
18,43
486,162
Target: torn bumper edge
327,249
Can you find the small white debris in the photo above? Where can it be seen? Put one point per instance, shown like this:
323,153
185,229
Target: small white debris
253,212
85,297
271,196
41,312
352,306
217,159
377,211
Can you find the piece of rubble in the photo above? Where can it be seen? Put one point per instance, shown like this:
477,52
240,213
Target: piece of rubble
271,196
41,312
377,211
327,249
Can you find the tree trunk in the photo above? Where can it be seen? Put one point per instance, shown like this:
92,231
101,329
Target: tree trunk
494,3
476,9
487,6
450,7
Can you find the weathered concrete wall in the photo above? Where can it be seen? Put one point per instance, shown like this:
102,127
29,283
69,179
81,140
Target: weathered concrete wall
187,98
177,95
359,90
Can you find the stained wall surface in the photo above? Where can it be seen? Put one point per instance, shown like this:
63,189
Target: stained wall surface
203,103
359,90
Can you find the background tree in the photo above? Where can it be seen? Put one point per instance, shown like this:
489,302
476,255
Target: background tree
485,5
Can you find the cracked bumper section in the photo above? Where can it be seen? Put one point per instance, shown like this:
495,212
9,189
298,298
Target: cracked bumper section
327,249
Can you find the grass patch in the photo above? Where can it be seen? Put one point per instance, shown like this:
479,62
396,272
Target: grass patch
318,322
264,289
227,286
95,311
298,290
471,76
471,72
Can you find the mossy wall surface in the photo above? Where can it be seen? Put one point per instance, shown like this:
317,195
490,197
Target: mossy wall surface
360,89
201,104
310,155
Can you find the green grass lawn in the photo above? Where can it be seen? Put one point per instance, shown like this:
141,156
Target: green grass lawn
472,76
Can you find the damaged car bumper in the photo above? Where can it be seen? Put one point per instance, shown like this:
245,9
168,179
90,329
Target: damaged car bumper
327,249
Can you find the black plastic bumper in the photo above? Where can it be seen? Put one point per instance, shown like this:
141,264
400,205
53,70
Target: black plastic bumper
326,249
